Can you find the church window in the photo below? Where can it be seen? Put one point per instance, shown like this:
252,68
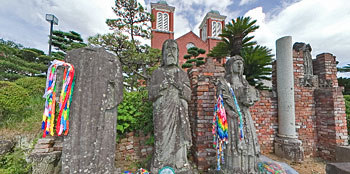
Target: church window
166,21
190,45
216,28
163,21
159,20
213,28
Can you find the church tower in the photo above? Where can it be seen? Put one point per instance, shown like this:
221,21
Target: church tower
211,27
163,25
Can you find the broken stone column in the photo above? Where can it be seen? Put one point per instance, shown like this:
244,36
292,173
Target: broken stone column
287,144
90,144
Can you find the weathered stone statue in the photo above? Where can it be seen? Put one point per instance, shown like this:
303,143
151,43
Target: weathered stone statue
170,92
306,48
241,154
90,144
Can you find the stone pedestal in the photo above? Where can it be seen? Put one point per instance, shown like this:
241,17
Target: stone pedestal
286,143
289,148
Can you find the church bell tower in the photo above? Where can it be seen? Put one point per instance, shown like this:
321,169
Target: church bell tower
163,25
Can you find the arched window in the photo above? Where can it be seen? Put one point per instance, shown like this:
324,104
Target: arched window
190,45
213,29
216,28
165,21
160,20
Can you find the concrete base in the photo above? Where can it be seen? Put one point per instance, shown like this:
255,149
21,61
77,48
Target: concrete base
289,148
342,153
338,168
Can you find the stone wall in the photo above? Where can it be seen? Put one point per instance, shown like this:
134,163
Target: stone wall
133,150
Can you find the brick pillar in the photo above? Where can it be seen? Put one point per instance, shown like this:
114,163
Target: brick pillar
305,117
201,109
330,108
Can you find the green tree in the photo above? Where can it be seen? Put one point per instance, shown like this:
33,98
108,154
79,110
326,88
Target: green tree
65,41
345,82
17,62
138,60
131,18
192,56
344,68
235,41
258,58
234,37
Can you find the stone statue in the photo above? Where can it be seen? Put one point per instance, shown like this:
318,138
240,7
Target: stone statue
241,154
170,92
306,48
90,144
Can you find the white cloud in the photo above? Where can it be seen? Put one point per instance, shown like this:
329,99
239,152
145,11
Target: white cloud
244,2
323,24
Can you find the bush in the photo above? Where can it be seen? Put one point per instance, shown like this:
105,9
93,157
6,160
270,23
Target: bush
13,99
33,85
135,113
186,65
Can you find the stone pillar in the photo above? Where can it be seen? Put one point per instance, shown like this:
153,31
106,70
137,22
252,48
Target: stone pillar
90,144
286,143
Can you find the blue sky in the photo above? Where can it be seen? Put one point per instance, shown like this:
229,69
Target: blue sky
322,23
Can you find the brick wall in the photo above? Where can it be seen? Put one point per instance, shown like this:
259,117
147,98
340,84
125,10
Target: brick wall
264,114
132,150
305,118
319,104
201,110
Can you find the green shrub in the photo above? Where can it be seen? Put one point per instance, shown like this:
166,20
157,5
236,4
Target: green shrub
34,85
13,99
39,52
199,62
347,110
14,163
29,55
190,60
135,113
186,65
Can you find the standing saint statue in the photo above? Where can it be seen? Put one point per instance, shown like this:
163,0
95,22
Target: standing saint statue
242,152
170,92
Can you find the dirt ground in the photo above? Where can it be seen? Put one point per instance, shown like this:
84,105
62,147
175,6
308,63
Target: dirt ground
309,166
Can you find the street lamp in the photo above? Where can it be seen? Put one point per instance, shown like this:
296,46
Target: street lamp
53,20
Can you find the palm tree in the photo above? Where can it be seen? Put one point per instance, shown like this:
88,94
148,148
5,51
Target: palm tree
235,37
257,61
235,41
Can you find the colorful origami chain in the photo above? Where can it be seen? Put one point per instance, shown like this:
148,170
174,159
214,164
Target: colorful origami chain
220,130
239,115
64,101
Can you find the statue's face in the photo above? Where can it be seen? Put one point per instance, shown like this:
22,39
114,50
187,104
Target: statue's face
237,67
171,54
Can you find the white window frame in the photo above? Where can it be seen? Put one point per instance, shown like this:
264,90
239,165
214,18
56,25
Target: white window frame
159,20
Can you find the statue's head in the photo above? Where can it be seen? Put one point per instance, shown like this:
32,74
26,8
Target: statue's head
170,53
235,65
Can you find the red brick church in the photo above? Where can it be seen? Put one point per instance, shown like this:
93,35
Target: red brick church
163,29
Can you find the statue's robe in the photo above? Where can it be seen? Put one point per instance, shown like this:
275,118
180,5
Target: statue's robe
169,89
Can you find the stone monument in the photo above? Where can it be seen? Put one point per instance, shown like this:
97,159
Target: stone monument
242,152
287,144
309,79
90,144
170,92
